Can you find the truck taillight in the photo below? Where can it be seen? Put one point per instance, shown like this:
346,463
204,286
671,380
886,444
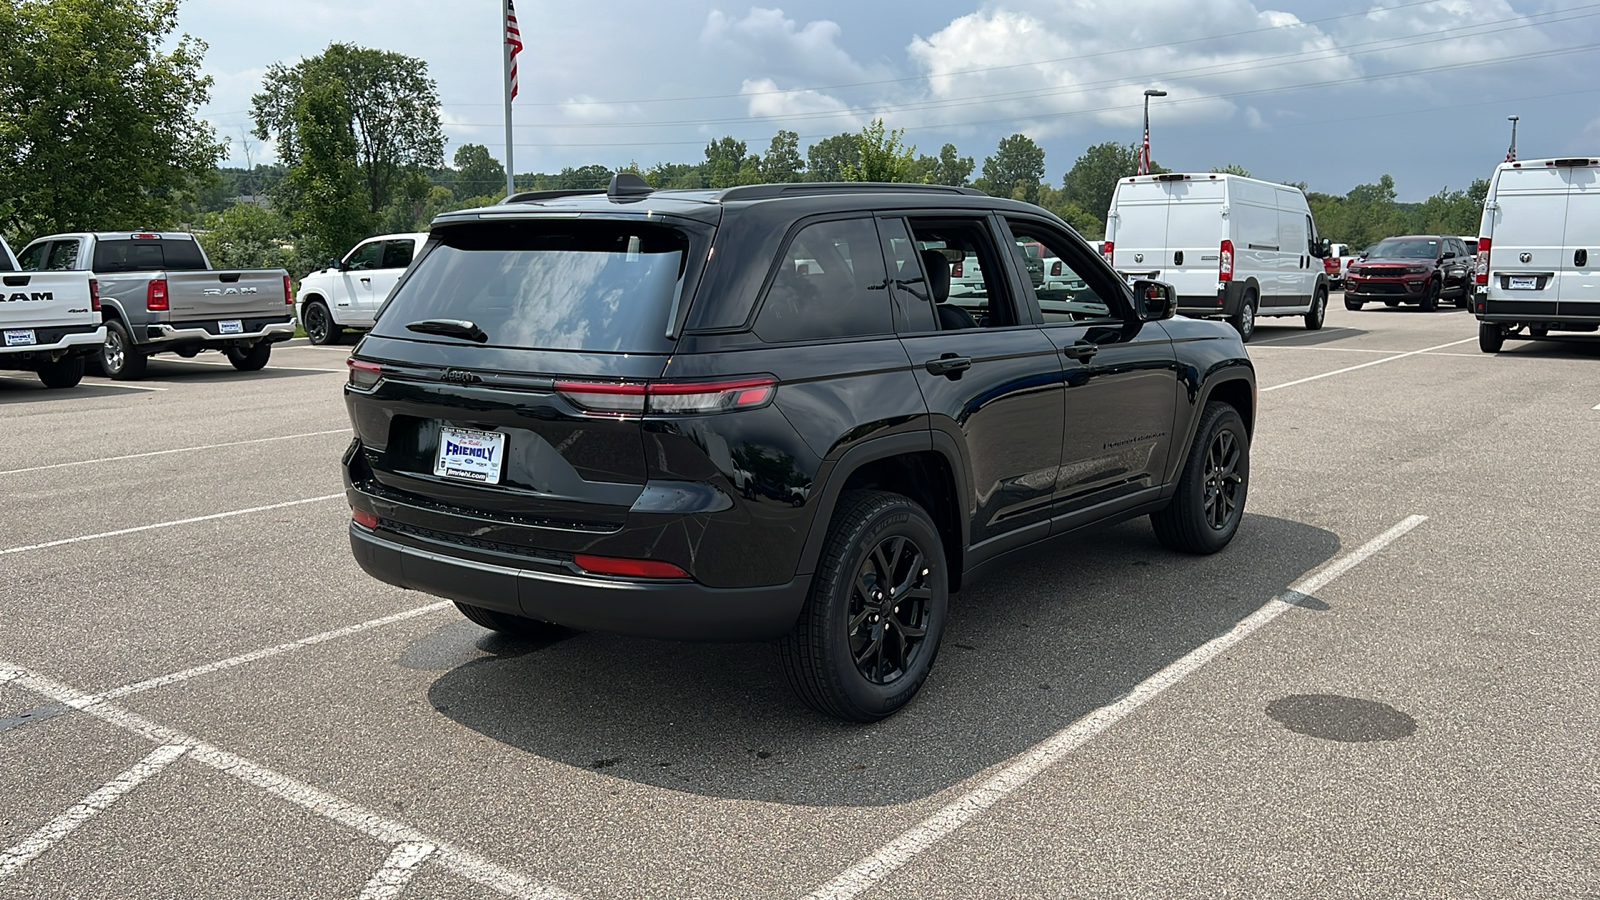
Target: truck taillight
94,295
668,397
1055,267
155,294
1225,266
288,292
955,270
1481,272
1106,252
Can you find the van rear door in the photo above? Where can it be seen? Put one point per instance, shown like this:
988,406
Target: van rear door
1529,222
1579,265
1194,239
1138,228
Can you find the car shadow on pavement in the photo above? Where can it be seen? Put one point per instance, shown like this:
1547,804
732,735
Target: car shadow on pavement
1280,336
1557,347
1059,632
16,390
164,372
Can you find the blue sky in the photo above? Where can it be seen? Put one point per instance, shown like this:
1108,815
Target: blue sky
1332,94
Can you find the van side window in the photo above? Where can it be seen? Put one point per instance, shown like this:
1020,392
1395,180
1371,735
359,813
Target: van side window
831,283
1064,294
964,275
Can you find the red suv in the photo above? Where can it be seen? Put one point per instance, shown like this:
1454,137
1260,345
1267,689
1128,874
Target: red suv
1414,269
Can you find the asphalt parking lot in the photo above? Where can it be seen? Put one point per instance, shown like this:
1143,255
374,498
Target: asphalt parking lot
1385,687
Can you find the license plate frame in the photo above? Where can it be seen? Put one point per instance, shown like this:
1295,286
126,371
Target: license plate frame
230,326
467,454
1522,283
21,337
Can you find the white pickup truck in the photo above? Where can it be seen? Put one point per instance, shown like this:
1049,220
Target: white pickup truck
49,321
160,295
349,291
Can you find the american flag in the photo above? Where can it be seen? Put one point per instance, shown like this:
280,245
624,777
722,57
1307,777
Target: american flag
514,41
1511,155
1144,154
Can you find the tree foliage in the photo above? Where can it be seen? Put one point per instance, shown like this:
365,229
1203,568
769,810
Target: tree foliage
828,157
881,155
949,167
245,236
1231,169
477,173
783,162
1092,179
1014,170
1370,212
98,115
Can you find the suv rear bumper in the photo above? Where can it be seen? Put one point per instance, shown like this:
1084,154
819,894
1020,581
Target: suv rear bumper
673,610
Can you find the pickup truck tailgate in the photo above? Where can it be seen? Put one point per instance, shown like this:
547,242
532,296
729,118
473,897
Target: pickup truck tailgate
226,294
46,300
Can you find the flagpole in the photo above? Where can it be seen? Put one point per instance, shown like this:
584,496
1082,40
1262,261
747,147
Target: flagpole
505,70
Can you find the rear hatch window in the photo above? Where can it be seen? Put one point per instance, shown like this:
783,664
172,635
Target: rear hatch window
561,284
147,255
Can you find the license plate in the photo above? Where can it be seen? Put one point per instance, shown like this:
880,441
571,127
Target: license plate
22,337
470,455
230,326
1524,284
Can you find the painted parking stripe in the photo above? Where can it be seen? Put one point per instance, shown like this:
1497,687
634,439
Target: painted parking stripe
109,384
86,809
1376,362
396,871
109,459
869,872
190,521
456,859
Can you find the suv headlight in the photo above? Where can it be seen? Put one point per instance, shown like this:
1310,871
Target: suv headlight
1416,270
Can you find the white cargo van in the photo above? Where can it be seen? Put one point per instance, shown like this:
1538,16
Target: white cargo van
1233,247
1539,251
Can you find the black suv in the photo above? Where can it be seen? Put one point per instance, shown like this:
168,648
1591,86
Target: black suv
756,413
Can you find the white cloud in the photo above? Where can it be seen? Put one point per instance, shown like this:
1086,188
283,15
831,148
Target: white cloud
1253,119
768,100
773,45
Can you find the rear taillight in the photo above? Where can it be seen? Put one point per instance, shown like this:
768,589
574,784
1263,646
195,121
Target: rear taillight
1225,266
668,398
1055,267
288,293
363,375
363,518
94,295
1481,273
955,270
1106,252
635,568
155,294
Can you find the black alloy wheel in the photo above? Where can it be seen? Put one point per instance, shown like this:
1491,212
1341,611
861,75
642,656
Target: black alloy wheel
1224,485
890,607
1205,513
318,323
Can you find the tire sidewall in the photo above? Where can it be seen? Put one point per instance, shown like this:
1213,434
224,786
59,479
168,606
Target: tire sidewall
1246,322
317,308
1319,309
1195,478
895,518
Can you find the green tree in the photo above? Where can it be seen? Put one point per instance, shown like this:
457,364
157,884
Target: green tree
391,108
477,173
245,236
1231,169
1084,222
882,157
98,115
727,164
827,158
1093,177
946,168
323,192
783,162
1015,169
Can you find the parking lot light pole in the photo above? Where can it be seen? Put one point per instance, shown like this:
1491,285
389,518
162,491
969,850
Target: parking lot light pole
1511,155
1144,150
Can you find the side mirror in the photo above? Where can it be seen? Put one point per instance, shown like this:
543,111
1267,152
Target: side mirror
336,264
1154,300
1325,248
1449,254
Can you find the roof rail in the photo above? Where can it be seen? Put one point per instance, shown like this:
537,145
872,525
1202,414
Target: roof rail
532,196
768,191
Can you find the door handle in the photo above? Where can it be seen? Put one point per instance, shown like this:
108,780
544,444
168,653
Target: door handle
366,281
949,365
1082,351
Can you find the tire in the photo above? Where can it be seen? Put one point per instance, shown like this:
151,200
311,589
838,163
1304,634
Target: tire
1352,305
319,325
1490,337
1218,467
1244,321
1392,304
1430,297
249,359
508,624
63,373
1465,300
1318,311
853,654
1538,332
120,360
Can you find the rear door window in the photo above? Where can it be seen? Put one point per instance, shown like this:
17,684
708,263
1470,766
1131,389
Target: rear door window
63,256
32,258
830,283
397,253
605,286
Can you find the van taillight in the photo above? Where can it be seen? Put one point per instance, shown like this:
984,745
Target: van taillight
94,295
155,294
1481,273
288,293
1055,267
668,397
1225,267
955,270
1105,251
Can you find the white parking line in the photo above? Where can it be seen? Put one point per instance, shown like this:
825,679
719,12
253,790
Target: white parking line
1376,362
229,365
396,872
150,684
1326,349
92,805
190,521
109,384
457,859
867,873
106,459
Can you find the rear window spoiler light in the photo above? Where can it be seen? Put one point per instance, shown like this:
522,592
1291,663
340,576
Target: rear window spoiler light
1573,162
1170,176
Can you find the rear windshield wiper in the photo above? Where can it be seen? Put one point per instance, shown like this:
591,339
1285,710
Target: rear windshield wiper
460,328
